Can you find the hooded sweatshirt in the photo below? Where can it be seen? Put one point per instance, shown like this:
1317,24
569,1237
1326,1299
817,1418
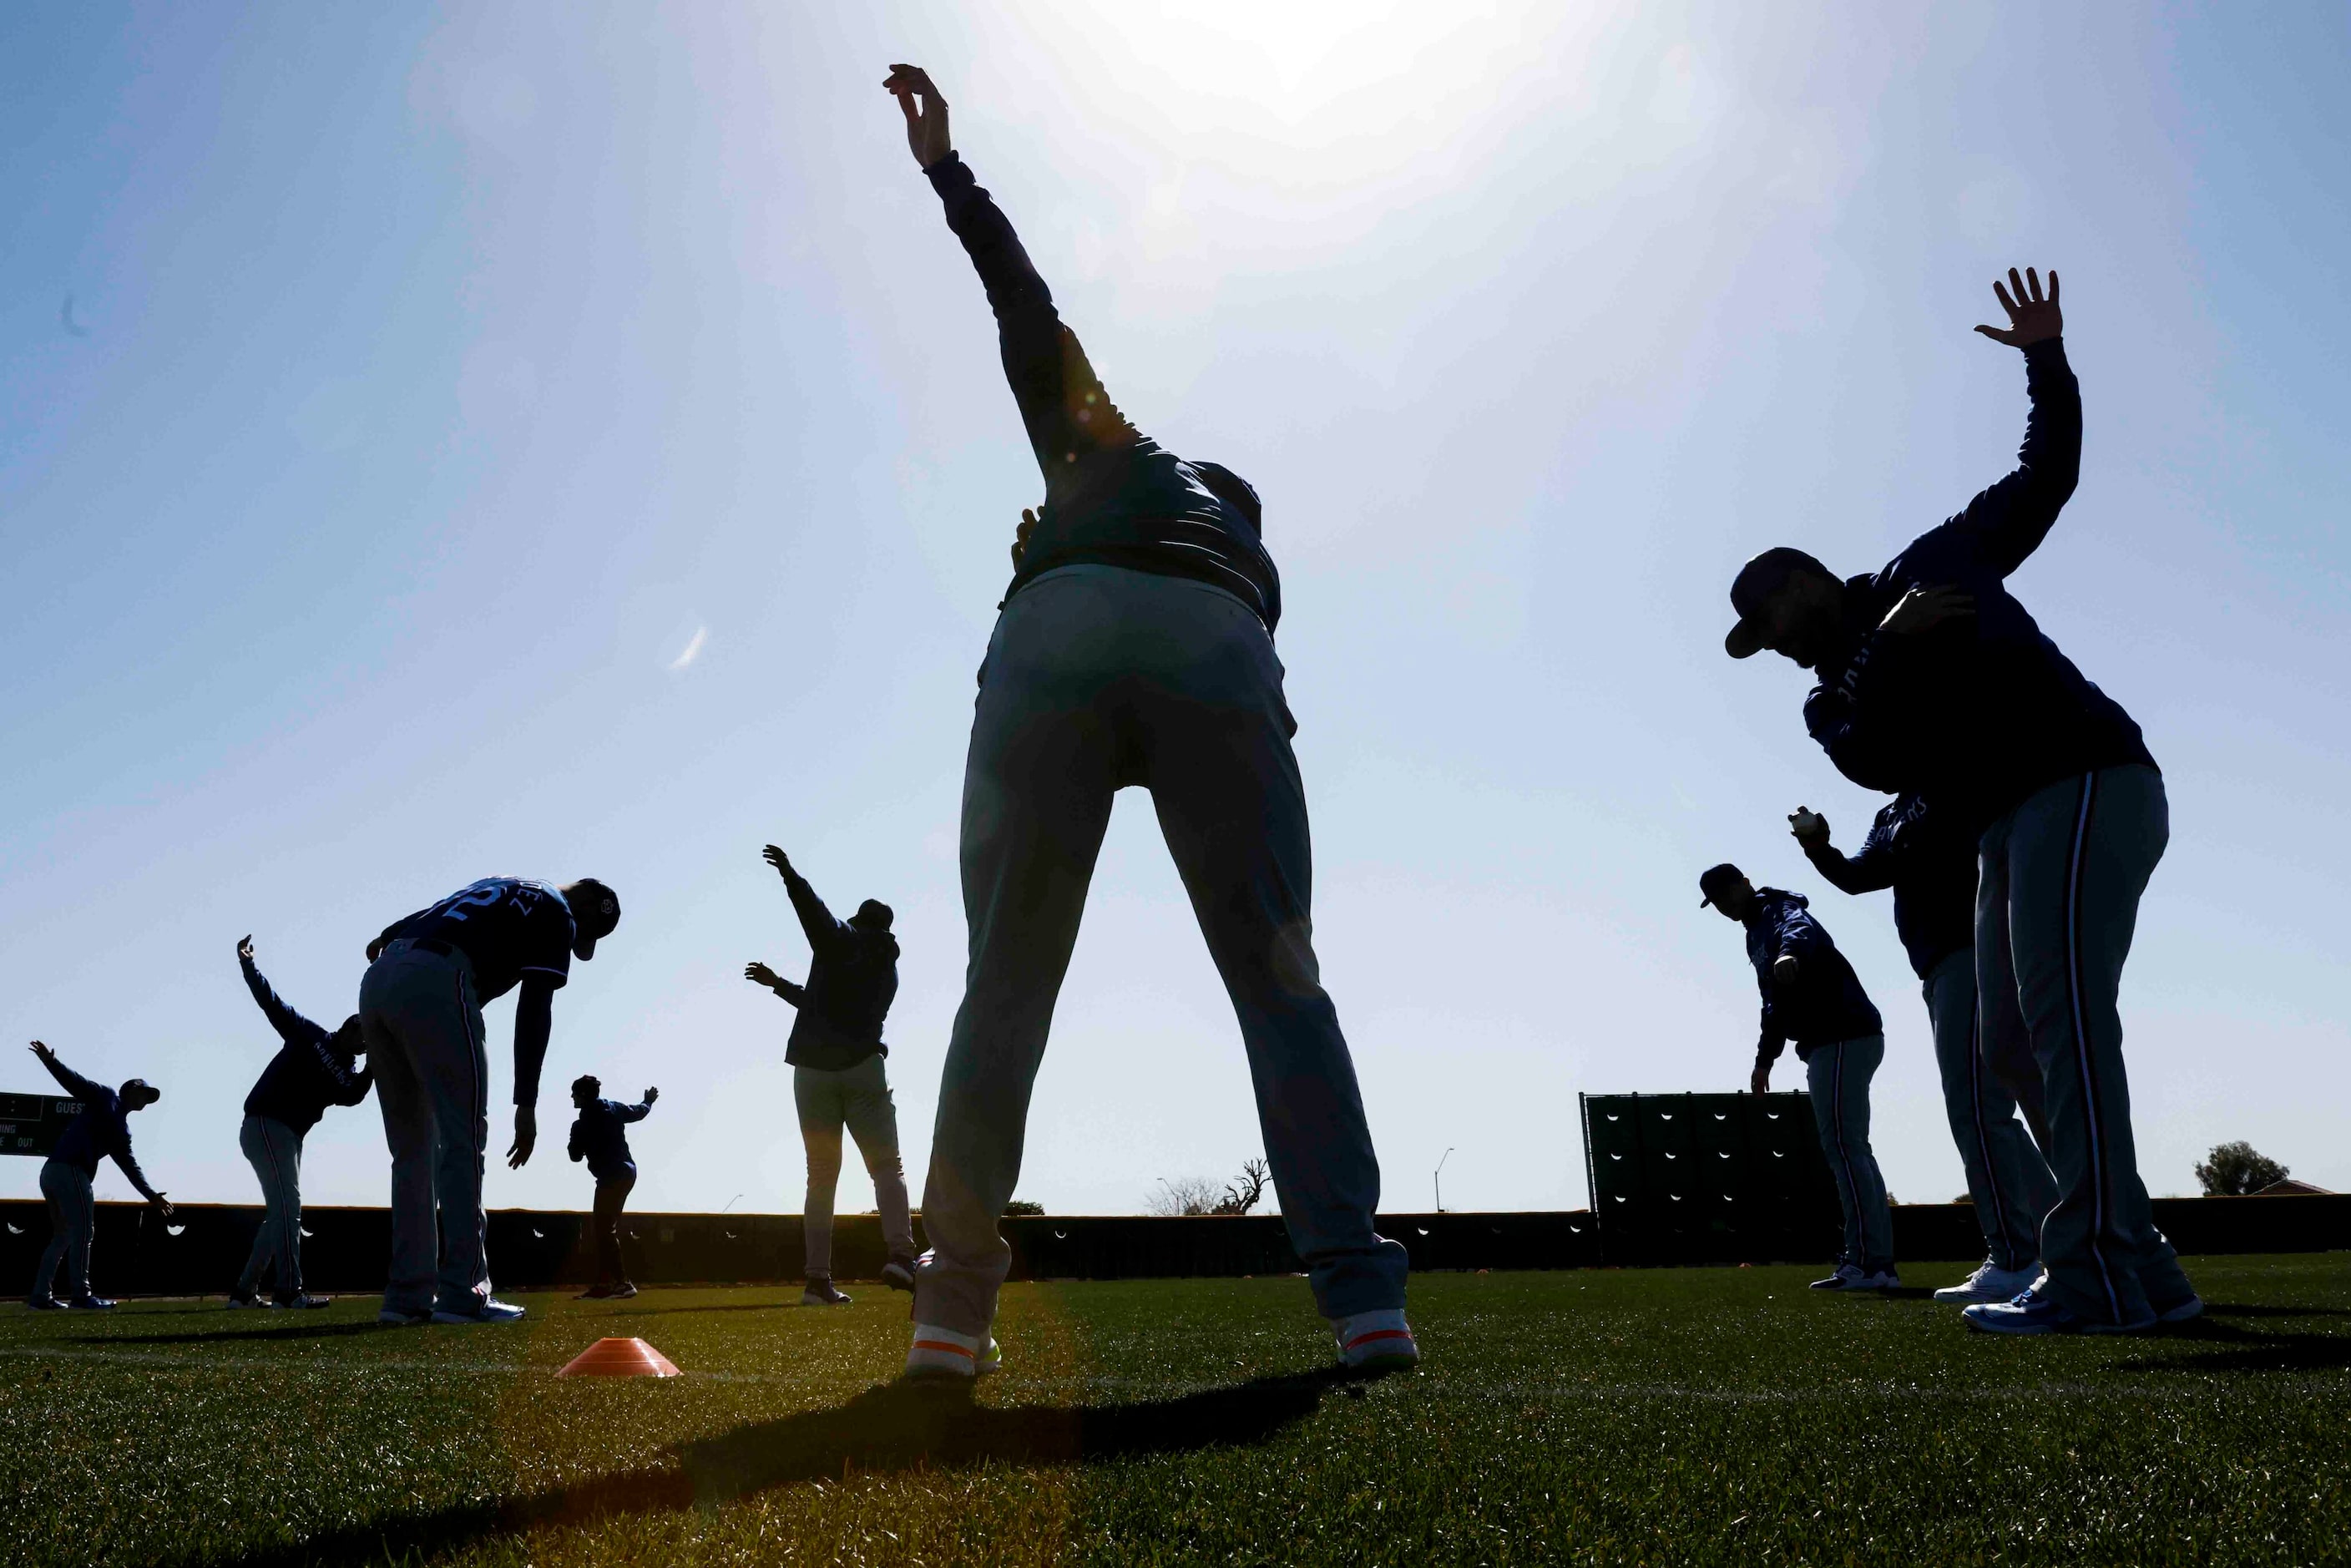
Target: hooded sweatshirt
852,979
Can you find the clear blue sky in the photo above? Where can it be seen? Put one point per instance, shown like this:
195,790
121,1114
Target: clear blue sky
440,380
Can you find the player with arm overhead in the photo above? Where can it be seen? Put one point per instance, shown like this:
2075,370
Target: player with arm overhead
1932,678
101,1131
838,1078
421,1005
311,1071
600,1135
1932,871
1812,998
1135,646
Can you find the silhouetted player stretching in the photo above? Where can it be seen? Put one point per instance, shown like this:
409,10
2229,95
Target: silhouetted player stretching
1933,677
311,1071
1135,646
838,1079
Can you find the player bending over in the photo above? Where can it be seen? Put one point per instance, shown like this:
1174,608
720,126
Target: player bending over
1931,676
838,1079
102,1130
1812,996
600,1135
1135,646
311,1071
1932,871
421,1004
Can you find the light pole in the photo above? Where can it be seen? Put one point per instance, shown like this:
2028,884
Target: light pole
1436,1180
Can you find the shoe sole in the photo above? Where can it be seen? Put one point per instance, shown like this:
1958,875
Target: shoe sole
1952,1296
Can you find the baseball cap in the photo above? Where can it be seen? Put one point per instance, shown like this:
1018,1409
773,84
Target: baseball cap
1712,880
1752,590
874,914
139,1088
595,910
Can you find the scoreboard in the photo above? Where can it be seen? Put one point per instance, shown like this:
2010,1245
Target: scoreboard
32,1124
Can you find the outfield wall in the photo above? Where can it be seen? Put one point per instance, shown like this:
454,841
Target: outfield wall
346,1249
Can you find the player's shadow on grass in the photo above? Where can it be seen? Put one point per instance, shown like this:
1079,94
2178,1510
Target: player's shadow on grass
887,1428
629,1309
2246,1350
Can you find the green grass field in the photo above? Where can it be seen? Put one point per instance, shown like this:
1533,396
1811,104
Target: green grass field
1689,1416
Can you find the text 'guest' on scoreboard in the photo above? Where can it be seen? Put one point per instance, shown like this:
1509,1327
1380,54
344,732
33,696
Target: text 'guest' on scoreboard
32,1124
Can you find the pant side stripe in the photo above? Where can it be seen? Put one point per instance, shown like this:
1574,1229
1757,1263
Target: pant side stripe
1983,1137
2090,1108
1844,1156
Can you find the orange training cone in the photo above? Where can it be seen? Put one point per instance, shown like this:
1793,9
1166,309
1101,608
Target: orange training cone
620,1358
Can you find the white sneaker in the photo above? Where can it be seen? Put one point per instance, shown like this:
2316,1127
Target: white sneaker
1376,1342
490,1311
1850,1277
940,1354
1991,1282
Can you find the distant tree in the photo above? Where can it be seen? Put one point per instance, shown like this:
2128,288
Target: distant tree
1020,1206
1181,1195
1242,1194
1198,1194
2232,1170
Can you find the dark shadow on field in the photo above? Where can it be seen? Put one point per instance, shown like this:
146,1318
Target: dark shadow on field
246,1335
2246,1350
889,1428
2271,1309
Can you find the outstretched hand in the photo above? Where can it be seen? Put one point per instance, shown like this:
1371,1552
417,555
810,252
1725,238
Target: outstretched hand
43,1053
1923,609
777,858
652,1095
760,973
2030,318
925,110
245,948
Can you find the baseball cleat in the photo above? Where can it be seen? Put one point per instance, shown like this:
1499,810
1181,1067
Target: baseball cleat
44,1303
89,1304
821,1291
1850,1278
238,1300
943,1355
2038,1311
1376,1342
488,1309
1991,1282
623,1291
301,1302
899,1273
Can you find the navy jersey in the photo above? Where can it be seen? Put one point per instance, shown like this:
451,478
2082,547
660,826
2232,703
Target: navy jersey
1825,1005
1112,495
508,926
1928,862
1983,711
310,1071
600,1135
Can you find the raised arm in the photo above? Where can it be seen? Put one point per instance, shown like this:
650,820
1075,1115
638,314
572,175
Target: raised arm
816,920
641,1109
1063,404
2009,520
290,1025
75,1084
